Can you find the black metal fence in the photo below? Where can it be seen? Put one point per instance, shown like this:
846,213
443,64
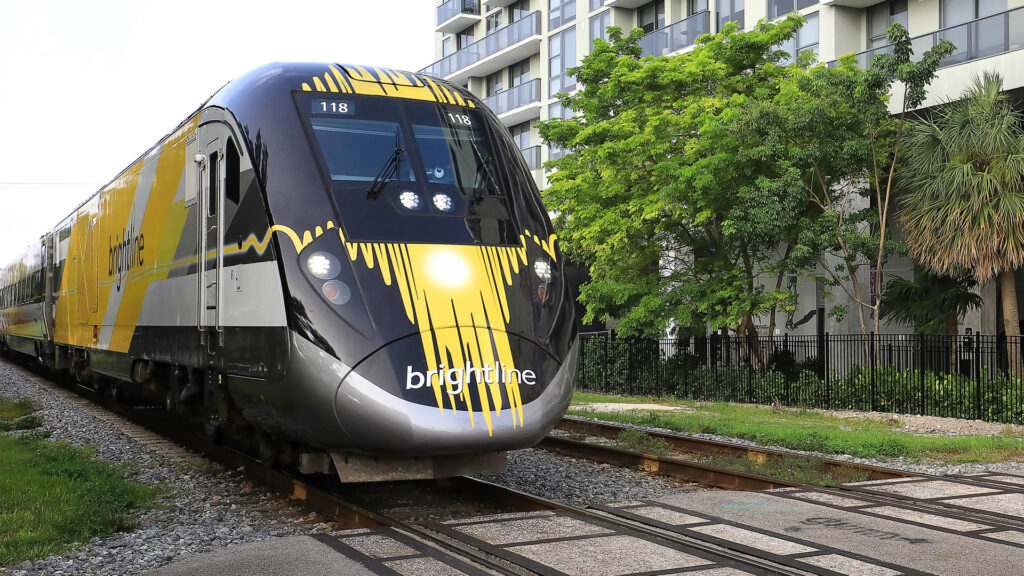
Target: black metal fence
936,375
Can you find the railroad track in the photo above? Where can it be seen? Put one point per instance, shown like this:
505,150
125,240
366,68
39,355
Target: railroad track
440,539
454,540
682,465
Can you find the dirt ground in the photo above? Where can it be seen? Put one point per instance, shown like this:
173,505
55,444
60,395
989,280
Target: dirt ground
925,425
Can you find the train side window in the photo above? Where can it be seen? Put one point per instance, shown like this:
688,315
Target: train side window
214,183
231,176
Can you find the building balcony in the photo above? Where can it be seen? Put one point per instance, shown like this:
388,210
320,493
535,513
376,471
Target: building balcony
517,104
974,40
503,47
626,3
498,3
676,37
455,15
532,156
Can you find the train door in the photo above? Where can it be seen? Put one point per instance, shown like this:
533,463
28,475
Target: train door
48,289
211,245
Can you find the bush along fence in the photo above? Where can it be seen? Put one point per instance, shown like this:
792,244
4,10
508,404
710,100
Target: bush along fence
965,376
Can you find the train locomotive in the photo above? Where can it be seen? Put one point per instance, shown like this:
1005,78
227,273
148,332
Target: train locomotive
351,265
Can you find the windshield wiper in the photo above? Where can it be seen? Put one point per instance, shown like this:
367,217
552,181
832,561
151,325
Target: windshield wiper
387,172
485,163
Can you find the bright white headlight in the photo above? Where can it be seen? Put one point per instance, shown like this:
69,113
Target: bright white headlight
323,265
443,202
410,200
543,270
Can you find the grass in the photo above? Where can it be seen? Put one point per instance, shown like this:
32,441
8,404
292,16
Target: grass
53,495
804,470
817,432
639,441
18,415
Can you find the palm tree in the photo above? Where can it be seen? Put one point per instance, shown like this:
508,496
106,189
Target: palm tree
933,305
962,200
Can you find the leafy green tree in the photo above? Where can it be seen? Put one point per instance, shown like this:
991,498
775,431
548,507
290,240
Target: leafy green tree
677,211
962,200
839,135
934,304
691,181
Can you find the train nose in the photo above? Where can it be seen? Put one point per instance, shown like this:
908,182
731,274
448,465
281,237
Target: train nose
454,390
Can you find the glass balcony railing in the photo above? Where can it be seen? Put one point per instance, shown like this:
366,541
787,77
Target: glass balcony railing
489,45
677,36
532,155
981,38
515,97
453,8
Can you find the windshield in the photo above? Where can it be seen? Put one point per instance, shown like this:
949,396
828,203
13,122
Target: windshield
374,143
402,169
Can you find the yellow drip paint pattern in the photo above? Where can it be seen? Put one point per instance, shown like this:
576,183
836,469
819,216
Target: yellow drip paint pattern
460,289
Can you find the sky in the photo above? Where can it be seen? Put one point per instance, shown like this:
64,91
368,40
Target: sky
87,87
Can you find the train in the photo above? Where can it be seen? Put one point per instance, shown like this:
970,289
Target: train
350,266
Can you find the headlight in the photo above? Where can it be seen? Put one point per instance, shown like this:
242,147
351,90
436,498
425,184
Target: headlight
410,200
543,270
323,265
443,202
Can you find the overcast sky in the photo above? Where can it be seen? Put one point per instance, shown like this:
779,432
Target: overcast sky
86,87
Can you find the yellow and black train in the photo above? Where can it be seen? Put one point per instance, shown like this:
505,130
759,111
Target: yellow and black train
352,264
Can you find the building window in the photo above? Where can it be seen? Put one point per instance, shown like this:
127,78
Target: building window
599,26
447,46
805,40
694,6
521,135
493,83
560,12
730,11
494,21
651,16
520,9
562,56
779,8
881,16
464,37
955,12
596,4
519,73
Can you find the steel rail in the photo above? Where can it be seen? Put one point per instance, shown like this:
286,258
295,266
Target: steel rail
705,446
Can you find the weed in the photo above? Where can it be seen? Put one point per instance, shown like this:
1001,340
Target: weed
639,441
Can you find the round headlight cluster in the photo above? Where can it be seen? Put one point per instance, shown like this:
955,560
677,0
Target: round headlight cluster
323,265
443,202
410,200
542,269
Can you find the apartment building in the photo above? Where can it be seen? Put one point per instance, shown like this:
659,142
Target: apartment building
514,54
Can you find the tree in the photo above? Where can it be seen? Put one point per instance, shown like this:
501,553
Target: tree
839,135
693,181
962,192
675,209
934,305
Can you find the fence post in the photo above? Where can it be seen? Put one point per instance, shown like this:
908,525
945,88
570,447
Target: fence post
607,336
920,369
789,385
871,363
629,366
824,371
976,376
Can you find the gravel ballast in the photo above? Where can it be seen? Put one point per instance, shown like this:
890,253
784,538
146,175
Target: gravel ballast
208,509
